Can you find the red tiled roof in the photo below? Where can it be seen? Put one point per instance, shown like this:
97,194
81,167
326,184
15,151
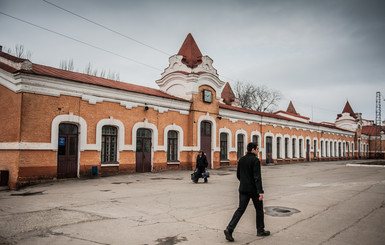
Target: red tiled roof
229,107
228,94
192,56
372,130
11,57
291,108
84,78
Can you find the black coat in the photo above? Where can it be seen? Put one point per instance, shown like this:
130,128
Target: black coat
202,162
249,174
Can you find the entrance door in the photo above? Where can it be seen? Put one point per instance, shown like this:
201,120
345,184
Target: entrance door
143,150
206,140
269,149
67,157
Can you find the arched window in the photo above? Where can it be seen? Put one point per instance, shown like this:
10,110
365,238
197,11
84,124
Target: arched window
287,148
241,145
109,144
300,148
172,146
279,147
255,139
315,149
293,148
223,146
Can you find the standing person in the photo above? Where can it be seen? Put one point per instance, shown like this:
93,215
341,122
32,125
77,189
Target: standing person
201,165
250,187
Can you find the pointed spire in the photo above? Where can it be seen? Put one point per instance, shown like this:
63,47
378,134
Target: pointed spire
228,95
291,109
348,109
192,56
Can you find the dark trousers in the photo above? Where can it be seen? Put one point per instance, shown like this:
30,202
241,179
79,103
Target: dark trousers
244,199
199,173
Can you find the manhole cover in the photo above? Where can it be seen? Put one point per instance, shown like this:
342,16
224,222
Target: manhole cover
280,211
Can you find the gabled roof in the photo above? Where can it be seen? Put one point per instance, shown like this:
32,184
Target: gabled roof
347,109
291,108
228,95
82,78
192,56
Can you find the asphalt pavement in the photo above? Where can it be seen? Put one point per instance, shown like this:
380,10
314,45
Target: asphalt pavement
305,203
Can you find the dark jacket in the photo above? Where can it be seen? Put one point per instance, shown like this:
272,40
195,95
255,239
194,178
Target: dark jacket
249,174
202,161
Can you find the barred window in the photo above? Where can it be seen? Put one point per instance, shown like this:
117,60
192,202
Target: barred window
172,146
223,146
240,143
109,144
256,139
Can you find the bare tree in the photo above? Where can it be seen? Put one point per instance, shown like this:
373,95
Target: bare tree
67,65
19,51
90,71
258,98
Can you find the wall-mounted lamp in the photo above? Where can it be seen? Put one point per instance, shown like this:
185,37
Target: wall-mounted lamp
146,108
219,117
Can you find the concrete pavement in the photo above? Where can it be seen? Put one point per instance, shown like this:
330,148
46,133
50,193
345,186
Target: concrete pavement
338,204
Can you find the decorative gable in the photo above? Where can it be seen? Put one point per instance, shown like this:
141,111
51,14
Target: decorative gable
187,71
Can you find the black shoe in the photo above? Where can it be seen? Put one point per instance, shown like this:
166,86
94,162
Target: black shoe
229,236
205,180
263,233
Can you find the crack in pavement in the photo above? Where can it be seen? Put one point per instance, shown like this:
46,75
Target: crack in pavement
322,211
356,222
77,238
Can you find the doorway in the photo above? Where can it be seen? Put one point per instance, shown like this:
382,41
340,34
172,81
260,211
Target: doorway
143,150
206,140
67,157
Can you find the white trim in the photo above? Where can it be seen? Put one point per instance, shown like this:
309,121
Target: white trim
281,146
256,133
244,133
107,122
295,146
154,138
229,137
179,131
69,118
213,135
301,156
273,150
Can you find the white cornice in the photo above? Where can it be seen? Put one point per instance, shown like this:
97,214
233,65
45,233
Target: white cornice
89,92
263,120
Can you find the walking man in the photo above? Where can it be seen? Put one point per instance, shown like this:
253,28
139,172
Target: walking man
250,187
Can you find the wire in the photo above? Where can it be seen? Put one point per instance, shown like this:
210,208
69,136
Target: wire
82,42
105,27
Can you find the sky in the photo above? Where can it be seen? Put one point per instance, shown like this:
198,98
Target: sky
318,54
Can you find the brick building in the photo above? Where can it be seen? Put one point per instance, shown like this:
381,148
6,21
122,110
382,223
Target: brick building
59,124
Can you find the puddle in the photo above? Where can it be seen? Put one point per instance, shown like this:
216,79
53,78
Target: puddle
28,193
161,178
118,183
170,240
280,211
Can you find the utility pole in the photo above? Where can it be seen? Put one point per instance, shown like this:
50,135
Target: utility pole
378,126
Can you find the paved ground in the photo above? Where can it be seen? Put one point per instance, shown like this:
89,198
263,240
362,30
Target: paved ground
338,204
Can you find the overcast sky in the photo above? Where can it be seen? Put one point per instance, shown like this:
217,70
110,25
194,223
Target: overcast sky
319,54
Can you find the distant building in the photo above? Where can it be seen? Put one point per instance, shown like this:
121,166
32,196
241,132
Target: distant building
61,124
